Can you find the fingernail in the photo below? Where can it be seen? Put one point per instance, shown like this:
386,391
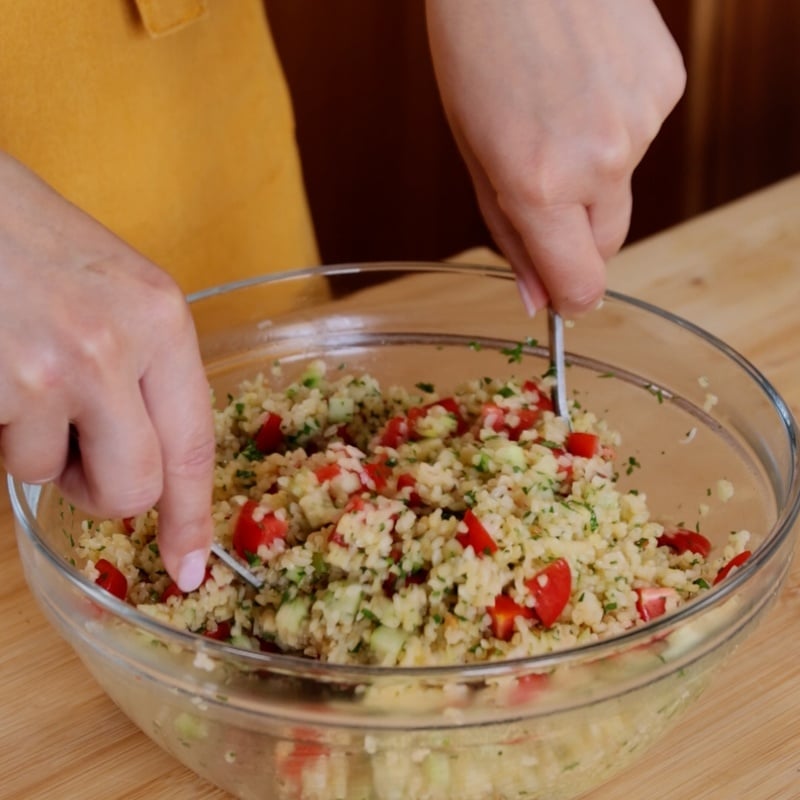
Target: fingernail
527,300
192,570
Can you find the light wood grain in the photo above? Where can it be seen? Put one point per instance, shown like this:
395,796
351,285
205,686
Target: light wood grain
736,272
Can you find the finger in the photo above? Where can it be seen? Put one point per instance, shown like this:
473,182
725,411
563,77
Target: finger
34,449
560,242
534,295
177,395
610,218
115,468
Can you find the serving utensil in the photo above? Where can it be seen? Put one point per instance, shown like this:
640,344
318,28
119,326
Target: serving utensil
240,569
558,394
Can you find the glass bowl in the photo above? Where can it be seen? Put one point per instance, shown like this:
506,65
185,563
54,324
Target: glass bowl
691,412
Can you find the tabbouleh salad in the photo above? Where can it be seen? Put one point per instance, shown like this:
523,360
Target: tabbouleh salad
394,526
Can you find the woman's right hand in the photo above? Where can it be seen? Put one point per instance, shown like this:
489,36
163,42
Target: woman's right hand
97,341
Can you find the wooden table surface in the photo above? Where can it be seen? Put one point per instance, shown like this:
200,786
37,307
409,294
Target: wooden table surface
734,271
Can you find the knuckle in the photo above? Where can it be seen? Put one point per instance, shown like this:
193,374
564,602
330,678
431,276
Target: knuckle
579,300
612,152
196,460
540,183
135,497
41,372
166,305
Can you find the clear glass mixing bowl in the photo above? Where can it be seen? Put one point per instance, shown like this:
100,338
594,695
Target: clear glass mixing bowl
265,725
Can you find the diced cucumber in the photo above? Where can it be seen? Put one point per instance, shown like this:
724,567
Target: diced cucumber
242,642
436,425
295,574
290,617
511,454
340,409
387,643
189,728
313,374
345,600
437,769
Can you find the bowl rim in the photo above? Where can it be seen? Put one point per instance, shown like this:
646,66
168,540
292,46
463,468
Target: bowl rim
21,493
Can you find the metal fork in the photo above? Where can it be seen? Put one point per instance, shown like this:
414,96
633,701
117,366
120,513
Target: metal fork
240,569
558,394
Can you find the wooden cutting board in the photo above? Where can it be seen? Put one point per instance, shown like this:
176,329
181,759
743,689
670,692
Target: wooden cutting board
735,272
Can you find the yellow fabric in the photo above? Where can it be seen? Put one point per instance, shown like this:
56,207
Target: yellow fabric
183,145
161,17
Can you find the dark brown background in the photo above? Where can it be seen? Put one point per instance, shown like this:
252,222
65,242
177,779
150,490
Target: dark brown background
384,178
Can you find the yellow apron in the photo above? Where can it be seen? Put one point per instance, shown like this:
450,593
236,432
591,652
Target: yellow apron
167,120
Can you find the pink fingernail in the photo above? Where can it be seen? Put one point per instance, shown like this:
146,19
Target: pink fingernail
527,300
192,570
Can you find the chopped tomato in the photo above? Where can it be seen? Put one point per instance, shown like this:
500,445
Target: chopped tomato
734,563
527,419
550,588
651,601
221,633
543,403
496,417
527,688
269,436
355,504
111,579
128,525
407,481
327,472
395,432
301,757
682,540
379,473
503,613
584,445
493,416
172,590
476,536
249,534
449,404
343,432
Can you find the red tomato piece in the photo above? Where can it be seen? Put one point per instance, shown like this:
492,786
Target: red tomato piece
734,563
682,540
221,633
476,536
407,481
551,588
651,601
327,472
269,436
503,613
111,579
494,417
584,445
343,432
527,419
172,590
527,688
395,433
301,757
379,473
249,534
543,402
449,404
128,525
